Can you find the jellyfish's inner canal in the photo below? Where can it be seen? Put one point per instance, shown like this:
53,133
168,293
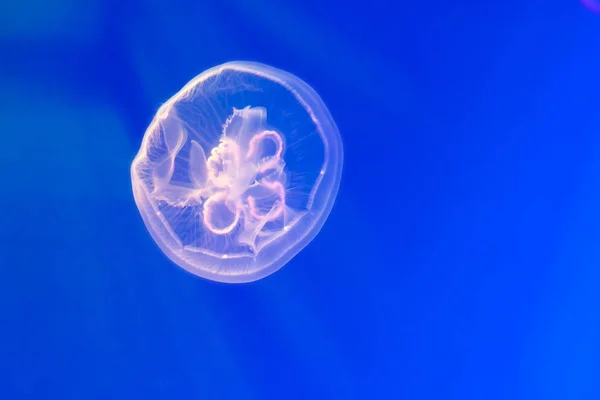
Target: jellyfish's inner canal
239,193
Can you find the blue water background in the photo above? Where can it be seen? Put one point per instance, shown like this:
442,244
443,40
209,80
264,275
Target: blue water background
461,259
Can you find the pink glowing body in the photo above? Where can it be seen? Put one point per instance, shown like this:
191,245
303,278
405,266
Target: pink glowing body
267,186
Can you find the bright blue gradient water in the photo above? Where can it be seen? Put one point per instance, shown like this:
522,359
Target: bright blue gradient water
461,259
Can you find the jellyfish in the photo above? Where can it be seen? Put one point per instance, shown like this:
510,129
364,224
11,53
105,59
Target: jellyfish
238,171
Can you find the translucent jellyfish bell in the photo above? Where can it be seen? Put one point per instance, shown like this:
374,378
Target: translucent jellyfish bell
238,171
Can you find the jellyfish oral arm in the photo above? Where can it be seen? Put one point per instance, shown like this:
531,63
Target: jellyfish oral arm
237,175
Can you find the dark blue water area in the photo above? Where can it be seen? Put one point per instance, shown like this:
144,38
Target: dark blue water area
461,258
